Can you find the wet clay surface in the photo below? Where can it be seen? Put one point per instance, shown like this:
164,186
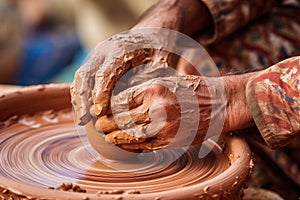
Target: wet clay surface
40,149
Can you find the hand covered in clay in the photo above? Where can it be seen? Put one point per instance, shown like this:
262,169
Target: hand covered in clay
173,111
94,81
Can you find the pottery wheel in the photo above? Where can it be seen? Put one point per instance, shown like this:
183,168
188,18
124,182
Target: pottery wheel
41,149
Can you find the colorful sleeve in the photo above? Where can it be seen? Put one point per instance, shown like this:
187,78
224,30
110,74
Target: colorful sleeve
273,97
230,15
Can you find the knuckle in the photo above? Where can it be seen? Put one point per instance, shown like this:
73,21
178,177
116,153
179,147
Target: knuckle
157,87
80,73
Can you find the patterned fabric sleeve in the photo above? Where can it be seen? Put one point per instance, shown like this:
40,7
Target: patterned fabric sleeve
274,100
230,15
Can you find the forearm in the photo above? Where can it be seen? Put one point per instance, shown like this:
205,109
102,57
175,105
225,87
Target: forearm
268,99
222,102
187,16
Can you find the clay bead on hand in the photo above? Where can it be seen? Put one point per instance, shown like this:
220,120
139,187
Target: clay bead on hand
173,111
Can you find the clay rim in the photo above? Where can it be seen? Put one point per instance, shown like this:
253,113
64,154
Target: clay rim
11,104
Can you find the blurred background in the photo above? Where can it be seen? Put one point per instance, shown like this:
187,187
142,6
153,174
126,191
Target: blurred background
46,41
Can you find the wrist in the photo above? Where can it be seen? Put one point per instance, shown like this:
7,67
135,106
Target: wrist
238,115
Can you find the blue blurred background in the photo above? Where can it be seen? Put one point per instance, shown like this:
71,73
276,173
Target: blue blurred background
44,41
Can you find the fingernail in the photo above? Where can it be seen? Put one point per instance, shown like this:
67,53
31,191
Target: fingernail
108,140
98,109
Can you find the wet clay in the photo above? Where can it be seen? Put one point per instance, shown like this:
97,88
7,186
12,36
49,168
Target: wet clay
40,148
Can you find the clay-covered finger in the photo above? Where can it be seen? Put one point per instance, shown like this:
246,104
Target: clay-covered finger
128,99
126,52
106,124
123,120
150,145
128,136
81,88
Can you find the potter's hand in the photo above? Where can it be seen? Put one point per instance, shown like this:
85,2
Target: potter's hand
94,81
150,115
106,65
177,111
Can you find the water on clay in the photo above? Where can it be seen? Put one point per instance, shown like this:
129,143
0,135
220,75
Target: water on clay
45,150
